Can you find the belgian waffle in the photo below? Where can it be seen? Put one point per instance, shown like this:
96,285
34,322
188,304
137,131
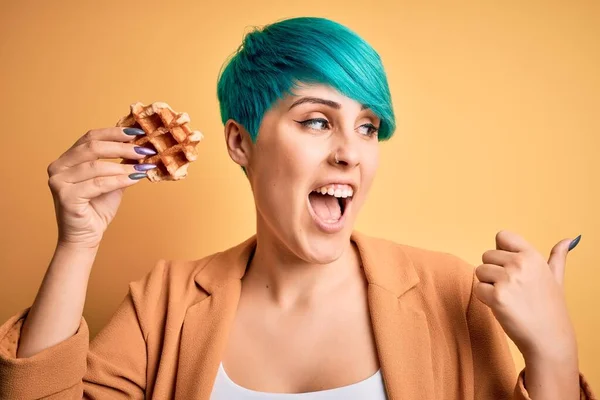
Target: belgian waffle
169,134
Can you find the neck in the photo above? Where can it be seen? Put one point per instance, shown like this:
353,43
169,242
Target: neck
288,280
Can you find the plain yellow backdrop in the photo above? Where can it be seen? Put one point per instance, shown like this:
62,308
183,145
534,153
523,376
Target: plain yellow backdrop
497,103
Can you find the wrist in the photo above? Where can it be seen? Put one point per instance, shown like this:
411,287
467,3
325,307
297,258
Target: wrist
559,347
76,248
73,257
559,354
552,376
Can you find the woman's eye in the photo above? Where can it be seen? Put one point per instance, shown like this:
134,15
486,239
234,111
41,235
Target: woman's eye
371,129
322,124
313,123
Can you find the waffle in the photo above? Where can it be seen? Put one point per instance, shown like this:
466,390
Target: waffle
169,134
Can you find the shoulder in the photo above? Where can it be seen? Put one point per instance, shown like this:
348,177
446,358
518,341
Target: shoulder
440,267
171,276
168,287
440,274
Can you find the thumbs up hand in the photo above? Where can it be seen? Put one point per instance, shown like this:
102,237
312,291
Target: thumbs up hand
525,294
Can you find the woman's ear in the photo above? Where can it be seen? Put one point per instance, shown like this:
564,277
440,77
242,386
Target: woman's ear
238,143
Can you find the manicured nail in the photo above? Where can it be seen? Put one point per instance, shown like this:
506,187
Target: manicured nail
137,175
144,167
574,243
144,151
133,131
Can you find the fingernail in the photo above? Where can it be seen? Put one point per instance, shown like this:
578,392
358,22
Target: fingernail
137,175
133,131
574,243
144,151
144,167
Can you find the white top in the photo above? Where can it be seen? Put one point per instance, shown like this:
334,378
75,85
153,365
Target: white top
371,388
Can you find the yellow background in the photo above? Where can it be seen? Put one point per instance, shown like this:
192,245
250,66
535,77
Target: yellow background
498,128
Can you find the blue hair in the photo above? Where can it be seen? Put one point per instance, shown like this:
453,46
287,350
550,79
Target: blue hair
272,61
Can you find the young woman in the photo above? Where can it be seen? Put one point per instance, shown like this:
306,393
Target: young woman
307,308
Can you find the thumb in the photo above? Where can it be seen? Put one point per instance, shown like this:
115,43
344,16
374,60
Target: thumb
558,257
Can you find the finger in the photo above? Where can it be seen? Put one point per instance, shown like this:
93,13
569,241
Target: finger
497,257
91,169
488,273
558,259
96,186
94,150
484,292
113,134
510,241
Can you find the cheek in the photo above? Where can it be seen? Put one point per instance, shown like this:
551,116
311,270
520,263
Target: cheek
292,161
370,165
279,173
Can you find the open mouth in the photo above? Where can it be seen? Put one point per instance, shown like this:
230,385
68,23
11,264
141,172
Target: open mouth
328,208
329,205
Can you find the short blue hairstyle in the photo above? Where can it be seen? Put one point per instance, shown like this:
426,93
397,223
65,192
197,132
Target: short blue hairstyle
273,60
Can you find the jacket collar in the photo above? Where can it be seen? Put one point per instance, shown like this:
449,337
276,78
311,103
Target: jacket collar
385,265
400,326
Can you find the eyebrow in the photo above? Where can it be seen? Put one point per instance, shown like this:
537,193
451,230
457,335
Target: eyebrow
318,100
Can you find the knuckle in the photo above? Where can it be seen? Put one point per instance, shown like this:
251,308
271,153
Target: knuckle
98,181
88,136
91,146
500,296
53,183
50,169
93,165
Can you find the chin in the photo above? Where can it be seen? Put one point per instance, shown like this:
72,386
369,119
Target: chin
319,248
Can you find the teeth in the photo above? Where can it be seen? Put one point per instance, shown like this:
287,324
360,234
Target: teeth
342,191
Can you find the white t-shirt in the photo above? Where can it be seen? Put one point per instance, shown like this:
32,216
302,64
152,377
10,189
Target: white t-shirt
371,388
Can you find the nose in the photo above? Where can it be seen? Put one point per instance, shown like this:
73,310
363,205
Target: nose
345,154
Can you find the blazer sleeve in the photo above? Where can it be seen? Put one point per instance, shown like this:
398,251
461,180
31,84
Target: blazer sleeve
494,370
112,366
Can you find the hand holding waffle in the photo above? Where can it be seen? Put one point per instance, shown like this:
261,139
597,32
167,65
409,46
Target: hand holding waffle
167,133
153,141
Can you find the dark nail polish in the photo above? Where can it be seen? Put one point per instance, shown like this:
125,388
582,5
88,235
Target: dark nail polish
574,243
144,151
144,167
137,175
133,131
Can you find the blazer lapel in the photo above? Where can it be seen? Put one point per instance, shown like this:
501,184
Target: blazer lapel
207,322
399,324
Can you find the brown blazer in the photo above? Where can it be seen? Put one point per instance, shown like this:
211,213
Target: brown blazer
434,339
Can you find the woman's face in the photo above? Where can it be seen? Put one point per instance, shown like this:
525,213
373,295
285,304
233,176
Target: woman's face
305,200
